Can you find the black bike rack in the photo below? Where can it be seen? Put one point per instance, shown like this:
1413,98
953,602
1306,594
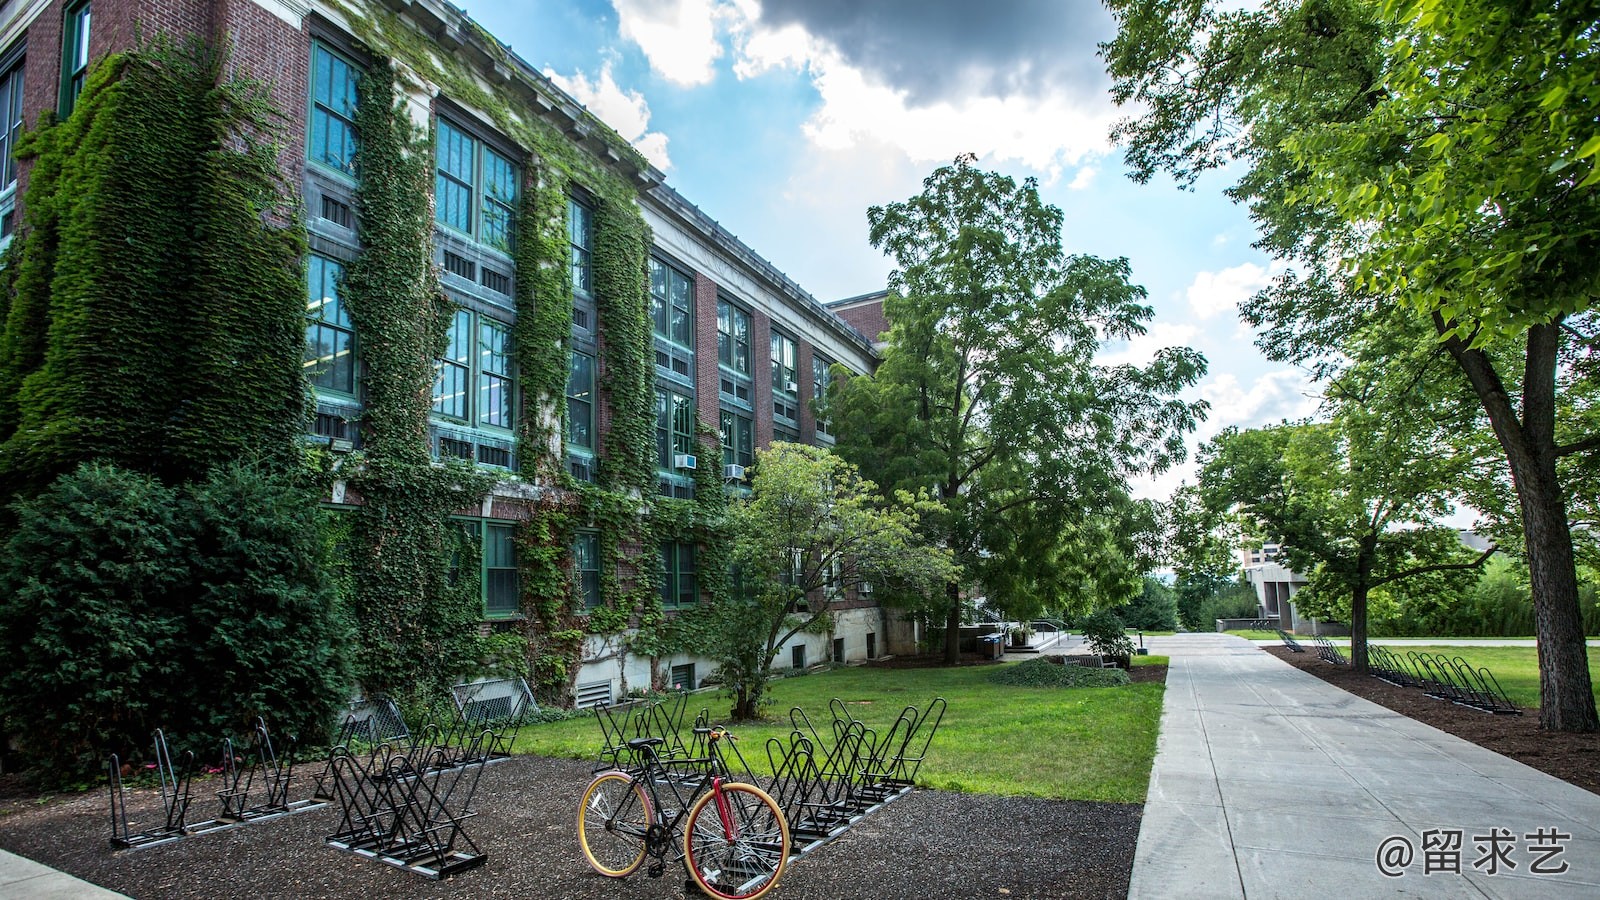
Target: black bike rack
1444,677
405,807
1328,653
1290,642
175,782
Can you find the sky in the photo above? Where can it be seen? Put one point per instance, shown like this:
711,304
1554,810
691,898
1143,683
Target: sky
786,119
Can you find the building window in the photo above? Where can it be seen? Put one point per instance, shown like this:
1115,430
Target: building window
797,656
733,338
674,428
580,401
499,571
821,378
678,587
333,110
473,386
74,55
737,440
683,677
330,361
580,238
671,304
586,568
10,131
475,188
785,381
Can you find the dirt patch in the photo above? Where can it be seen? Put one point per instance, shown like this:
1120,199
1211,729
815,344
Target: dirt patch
1142,674
1573,758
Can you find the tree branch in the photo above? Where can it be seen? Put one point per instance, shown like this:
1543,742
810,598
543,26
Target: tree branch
1438,567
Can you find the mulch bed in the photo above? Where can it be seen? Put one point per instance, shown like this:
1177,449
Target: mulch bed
1574,758
928,844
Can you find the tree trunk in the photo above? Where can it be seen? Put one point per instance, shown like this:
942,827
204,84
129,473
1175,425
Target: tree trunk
1358,603
1566,694
952,625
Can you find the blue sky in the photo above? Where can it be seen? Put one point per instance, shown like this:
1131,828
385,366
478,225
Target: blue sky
785,119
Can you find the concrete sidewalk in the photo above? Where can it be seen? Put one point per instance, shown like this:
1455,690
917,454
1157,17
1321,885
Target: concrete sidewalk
1270,782
23,879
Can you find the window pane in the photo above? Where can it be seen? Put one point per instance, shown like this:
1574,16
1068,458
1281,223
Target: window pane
580,400
663,431
579,236
453,151
333,108
494,381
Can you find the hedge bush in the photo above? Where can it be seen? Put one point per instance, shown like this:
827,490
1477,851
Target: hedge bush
1043,672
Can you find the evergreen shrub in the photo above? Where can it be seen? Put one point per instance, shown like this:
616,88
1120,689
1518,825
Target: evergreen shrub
1043,672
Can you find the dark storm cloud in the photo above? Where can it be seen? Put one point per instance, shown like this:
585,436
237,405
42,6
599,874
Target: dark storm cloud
936,49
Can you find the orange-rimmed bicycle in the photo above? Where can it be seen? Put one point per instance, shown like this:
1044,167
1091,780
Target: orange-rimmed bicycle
735,840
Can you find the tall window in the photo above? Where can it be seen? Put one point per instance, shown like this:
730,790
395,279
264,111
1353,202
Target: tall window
737,440
499,571
74,55
475,188
678,586
674,427
785,383
671,304
821,378
586,568
580,236
472,384
580,401
333,110
10,131
733,337
330,361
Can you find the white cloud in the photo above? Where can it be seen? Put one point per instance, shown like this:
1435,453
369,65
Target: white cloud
1142,349
1083,179
625,111
679,37
1214,293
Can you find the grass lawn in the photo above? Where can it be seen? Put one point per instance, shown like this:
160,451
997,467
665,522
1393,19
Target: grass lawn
1254,634
1516,668
1062,743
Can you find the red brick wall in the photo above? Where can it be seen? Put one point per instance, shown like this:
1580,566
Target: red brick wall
705,365
808,419
761,375
267,49
868,318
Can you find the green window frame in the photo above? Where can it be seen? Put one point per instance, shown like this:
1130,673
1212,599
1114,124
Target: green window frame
74,54
586,568
580,401
671,304
733,338
475,188
332,123
501,583
11,83
679,587
580,238
473,383
821,379
675,415
330,357
738,440
785,366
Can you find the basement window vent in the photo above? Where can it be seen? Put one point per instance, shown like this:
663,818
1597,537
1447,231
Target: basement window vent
499,282
595,693
338,212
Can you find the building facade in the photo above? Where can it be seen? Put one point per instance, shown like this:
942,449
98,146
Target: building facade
610,353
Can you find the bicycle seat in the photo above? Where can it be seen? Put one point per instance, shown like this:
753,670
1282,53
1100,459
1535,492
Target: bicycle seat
643,742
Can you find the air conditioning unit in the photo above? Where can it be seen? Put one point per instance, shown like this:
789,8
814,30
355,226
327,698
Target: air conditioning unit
733,473
684,461
341,445
791,387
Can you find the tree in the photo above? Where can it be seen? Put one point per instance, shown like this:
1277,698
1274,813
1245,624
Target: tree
1200,546
989,393
1438,157
810,531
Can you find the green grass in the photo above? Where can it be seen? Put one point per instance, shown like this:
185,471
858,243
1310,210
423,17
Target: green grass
1062,743
1516,668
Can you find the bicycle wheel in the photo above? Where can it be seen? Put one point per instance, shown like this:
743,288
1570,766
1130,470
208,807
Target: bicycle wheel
737,848
612,821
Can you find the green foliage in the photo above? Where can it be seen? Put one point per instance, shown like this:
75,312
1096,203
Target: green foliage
989,314
129,606
1044,672
157,319
1234,599
1105,634
811,529
1155,609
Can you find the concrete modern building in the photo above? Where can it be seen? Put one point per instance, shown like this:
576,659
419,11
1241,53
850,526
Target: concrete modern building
531,199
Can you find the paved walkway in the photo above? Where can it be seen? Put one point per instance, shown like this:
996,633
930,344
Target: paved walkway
24,879
1270,782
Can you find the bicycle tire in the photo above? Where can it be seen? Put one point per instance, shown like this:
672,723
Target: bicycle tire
748,865
612,820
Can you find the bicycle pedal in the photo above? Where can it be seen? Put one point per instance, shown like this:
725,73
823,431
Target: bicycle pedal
656,870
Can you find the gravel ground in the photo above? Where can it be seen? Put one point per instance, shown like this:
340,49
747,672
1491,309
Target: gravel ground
928,844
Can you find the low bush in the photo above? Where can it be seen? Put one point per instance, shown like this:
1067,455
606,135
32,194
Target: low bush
1045,672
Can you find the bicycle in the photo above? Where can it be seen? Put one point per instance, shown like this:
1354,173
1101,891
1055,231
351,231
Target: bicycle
735,838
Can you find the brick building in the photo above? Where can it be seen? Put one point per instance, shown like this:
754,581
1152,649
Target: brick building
739,349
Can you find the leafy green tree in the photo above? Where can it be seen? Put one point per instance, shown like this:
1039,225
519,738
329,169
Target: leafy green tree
989,393
810,531
1436,156
1200,545
1155,609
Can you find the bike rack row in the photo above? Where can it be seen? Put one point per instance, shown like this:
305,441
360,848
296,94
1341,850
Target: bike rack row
1328,653
826,782
1444,678
404,806
255,788
1290,642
